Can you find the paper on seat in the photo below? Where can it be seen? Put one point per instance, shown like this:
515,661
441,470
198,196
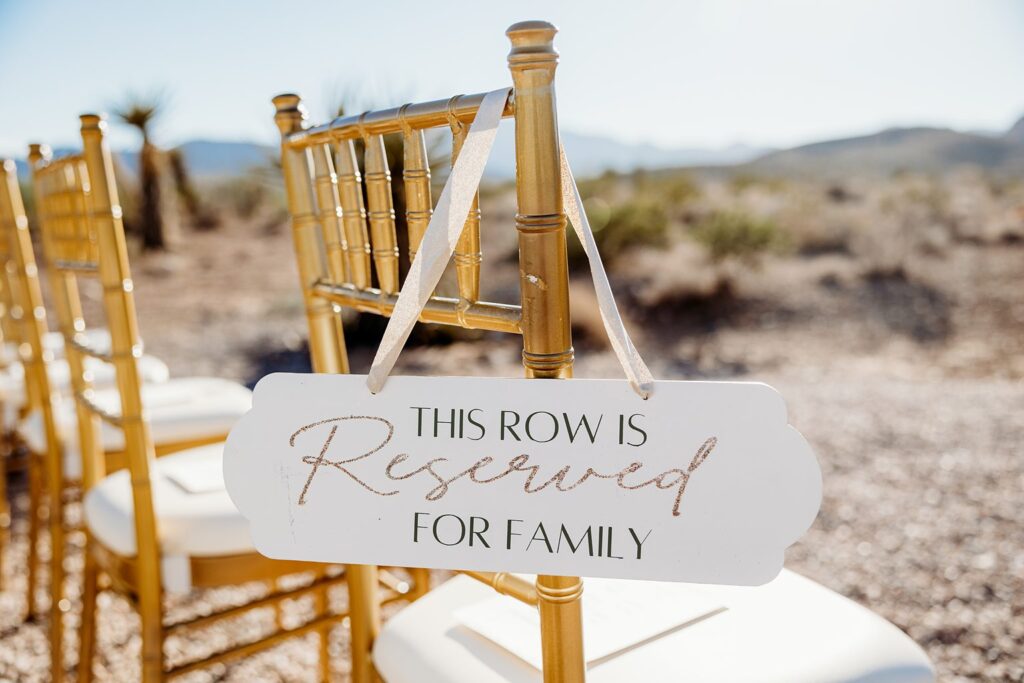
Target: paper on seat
196,476
617,615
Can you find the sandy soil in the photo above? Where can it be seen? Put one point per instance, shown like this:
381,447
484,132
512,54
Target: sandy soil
907,384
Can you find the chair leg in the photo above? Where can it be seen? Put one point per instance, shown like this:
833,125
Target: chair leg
5,514
420,582
364,617
56,582
35,503
323,606
278,616
87,632
152,634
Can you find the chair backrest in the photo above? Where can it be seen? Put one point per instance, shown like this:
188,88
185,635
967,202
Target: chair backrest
83,238
24,314
9,205
337,239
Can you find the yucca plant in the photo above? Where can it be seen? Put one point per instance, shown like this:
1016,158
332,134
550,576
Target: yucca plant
141,113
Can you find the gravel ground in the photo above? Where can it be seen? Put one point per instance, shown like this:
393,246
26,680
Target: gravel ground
921,441
921,519
921,522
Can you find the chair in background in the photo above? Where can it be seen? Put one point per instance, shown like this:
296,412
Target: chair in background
35,374
13,226
790,630
164,525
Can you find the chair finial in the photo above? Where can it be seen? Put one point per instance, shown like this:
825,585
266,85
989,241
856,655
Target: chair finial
532,43
38,153
289,112
92,122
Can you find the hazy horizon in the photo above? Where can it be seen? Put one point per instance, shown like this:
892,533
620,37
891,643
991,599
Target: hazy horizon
698,74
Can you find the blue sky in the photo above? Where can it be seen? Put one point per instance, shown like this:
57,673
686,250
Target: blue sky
703,73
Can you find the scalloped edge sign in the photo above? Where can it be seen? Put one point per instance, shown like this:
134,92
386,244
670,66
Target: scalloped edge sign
704,482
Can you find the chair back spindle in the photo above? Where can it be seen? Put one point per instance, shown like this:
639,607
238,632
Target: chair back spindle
329,210
353,216
416,175
381,214
467,251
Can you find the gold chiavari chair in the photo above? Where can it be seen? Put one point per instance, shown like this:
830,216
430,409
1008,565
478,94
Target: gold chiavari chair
791,629
31,368
27,329
19,391
6,324
164,525
325,195
37,375
13,226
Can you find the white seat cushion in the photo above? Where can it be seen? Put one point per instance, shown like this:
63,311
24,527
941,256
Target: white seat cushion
54,343
12,380
789,630
180,409
191,523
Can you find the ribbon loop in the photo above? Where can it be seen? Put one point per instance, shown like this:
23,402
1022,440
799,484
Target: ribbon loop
633,365
443,233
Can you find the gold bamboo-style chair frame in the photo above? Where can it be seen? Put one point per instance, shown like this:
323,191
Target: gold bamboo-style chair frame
83,237
337,237
26,323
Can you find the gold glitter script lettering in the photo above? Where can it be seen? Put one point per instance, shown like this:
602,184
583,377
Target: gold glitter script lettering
627,478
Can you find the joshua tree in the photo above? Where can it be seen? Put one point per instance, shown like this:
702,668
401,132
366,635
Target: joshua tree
203,217
141,113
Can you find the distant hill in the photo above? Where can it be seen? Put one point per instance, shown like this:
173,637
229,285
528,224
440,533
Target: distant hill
920,149
205,159
591,155
208,159
213,158
917,149
1016,132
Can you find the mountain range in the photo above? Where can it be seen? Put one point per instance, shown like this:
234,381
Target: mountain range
913,149
895,149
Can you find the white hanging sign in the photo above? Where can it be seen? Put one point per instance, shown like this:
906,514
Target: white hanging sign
703,482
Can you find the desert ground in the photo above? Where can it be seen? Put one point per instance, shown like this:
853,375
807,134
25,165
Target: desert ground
889,311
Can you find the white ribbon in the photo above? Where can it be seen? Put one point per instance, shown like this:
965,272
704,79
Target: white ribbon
633,365
443,233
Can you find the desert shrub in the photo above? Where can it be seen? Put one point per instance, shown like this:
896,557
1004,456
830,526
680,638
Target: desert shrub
839,193
816,225
830,237
634,223
681,188
243,195
734,234
745,180
675,189
599,212
600,186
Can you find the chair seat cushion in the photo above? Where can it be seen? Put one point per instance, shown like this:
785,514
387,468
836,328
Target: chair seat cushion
191,523
53,342
790,630
12,379
178,410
